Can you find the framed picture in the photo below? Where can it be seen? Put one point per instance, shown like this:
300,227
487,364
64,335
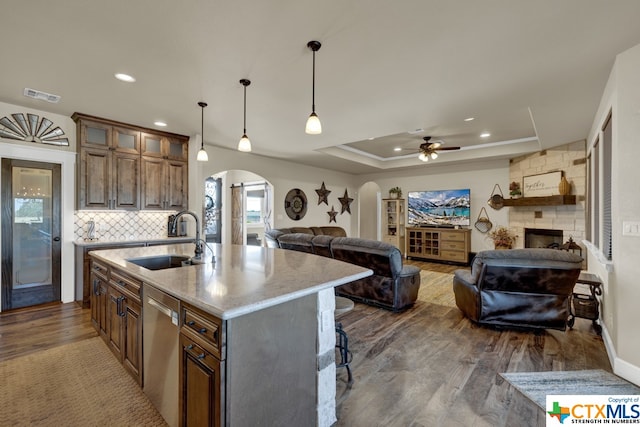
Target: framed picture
544,184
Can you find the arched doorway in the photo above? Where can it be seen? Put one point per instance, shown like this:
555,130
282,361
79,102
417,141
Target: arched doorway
369,200
238,207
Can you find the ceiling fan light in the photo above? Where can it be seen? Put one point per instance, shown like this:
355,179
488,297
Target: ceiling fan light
434,155
423,157
314,127
244,145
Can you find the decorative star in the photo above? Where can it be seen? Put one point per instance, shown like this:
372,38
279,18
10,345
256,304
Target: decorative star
345,201
323,194
332,215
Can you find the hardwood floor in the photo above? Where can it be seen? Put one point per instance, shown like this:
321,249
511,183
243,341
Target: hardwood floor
428,366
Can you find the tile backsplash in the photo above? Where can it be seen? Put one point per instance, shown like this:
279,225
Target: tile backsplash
122,225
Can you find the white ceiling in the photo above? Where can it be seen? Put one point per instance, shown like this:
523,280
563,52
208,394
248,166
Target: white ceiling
530,72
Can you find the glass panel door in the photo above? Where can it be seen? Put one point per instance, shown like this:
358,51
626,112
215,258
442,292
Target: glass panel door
32,240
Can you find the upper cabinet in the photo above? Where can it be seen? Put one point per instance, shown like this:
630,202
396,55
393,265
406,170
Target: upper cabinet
128,167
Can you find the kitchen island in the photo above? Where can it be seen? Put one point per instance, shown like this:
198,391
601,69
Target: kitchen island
256,330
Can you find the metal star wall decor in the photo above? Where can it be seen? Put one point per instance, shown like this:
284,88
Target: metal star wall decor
345,201
332,215
323,194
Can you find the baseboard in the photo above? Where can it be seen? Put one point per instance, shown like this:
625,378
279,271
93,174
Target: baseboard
621,367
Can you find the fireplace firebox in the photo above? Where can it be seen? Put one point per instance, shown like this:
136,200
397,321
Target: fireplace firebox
542,238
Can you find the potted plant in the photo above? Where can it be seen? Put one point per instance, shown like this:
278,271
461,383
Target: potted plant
514,190
395,193
502,237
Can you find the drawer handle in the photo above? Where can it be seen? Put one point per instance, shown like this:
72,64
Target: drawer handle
200,356
121,283
202,330
191,323
189,347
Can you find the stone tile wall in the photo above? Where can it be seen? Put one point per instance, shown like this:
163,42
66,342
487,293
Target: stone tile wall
571,160
122,225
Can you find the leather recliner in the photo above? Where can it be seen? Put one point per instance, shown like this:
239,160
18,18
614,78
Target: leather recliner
518,288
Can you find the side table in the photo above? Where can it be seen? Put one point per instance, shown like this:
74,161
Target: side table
584,305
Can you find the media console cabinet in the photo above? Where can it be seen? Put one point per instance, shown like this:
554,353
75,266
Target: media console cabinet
439,244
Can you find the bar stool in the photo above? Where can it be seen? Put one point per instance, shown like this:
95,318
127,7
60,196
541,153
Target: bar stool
343,305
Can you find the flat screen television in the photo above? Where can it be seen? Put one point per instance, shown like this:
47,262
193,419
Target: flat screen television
441,208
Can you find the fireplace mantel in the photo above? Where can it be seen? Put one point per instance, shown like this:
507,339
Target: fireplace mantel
541,201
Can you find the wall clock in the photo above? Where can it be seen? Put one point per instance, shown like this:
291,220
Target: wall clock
295,204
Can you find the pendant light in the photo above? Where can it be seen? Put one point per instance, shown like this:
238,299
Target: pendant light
202,154
245,144
313,123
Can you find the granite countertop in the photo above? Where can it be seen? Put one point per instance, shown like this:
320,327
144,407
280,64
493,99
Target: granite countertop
107,242
242,280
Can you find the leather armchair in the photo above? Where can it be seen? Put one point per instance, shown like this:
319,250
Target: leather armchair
392,285
520,288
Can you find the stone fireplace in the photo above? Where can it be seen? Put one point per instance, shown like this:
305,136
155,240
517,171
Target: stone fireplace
551,224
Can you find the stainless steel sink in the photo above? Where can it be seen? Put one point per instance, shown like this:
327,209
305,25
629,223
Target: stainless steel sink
162,261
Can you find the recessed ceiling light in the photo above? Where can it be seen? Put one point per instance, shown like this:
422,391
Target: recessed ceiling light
485,135
469,119
397,149
159,123
125,77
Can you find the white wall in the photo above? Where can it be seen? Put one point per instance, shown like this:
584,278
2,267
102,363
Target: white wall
284,176
66,157
622,288
480,177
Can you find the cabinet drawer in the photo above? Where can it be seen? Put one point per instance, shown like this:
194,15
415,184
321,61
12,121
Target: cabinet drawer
205,330
100,269
129,283
451,235
454,256
390,239
196,351
452,246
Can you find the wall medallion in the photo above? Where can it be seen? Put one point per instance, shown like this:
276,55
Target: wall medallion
295,204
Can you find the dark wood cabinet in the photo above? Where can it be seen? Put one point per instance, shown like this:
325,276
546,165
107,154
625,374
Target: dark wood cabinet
200,396
130,168
164,184
116,313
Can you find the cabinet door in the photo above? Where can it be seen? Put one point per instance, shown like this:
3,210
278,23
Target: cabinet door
126,181
153,188
98,299
94,183
200,386
177,191
176,149
115,323
126,140
133,340
96,135
151,145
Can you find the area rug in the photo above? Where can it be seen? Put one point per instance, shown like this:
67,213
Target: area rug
436,288
537,385
78,384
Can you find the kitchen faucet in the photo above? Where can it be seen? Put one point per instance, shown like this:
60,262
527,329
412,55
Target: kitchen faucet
198,253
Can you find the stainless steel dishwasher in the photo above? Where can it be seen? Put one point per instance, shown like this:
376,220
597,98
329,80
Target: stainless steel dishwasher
160,347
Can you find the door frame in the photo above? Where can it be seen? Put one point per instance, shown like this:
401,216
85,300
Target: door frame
7,215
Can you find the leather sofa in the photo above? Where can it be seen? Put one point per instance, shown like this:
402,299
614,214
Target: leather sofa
271,236
518,288
392,286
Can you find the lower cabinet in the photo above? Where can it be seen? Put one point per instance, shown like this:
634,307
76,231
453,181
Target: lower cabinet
200,396
116,313
201,366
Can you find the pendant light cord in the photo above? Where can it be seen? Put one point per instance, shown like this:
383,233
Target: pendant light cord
245,111
313,84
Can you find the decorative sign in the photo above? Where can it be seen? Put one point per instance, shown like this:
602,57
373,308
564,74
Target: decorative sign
545,184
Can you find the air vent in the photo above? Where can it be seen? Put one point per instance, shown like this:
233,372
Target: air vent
43,96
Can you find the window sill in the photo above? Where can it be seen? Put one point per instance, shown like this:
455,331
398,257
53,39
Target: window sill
599,256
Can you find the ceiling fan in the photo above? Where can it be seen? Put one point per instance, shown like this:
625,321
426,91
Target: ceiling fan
430,149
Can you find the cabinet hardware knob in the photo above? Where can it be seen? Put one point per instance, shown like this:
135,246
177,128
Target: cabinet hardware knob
191,323
189,347
202,330
201,356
